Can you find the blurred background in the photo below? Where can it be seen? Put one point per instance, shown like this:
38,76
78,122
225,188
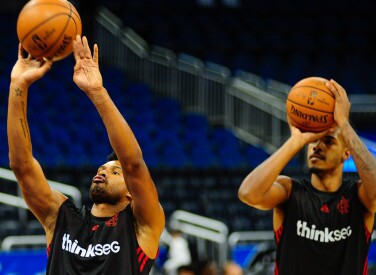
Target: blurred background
203,84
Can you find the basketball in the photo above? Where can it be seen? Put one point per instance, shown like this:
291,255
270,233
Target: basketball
46,28
310,105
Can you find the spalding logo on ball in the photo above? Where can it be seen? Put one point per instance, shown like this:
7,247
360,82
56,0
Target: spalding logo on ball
46,28
310,105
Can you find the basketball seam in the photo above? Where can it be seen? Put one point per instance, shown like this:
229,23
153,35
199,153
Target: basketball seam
70,15
314,109
314,87
63,32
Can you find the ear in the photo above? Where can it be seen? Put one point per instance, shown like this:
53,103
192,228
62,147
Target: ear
129,196
346,155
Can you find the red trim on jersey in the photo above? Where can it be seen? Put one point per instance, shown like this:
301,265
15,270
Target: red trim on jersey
278,234
142,258
143,263
275,268
368,233
365,267
368,238
49,250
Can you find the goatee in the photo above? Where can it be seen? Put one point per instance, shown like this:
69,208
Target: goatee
314,170
99,195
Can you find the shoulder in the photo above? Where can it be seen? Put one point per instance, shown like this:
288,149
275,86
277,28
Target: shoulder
69,209
294,185
286,182
281,179
351,186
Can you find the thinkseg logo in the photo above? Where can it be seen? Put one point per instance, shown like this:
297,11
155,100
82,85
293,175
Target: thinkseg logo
323,236
92,250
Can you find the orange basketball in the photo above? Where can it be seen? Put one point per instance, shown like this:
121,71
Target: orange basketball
310,105
46,28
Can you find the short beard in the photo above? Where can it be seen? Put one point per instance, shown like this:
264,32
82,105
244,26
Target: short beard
99,195
314,170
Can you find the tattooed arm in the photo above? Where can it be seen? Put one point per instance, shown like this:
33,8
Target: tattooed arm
365,162
42,201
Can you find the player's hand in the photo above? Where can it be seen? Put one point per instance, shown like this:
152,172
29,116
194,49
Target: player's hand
86,71
28,69
342,105
306,137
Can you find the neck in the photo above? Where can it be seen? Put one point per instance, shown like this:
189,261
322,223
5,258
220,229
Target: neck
327,181
107,210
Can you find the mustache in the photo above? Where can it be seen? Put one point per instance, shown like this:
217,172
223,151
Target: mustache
316,155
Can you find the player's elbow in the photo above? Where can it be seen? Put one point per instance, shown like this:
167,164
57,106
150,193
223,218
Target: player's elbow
255,200
248,196
19,165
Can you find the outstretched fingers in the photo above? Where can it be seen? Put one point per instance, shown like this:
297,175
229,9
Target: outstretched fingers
95,54
81,49
76,48
87,51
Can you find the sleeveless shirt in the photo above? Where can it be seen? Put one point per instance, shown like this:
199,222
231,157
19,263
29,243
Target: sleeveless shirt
322,233
83,244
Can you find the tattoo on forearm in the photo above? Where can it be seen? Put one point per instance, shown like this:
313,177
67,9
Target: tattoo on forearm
23,127
23,122
18,92
360,151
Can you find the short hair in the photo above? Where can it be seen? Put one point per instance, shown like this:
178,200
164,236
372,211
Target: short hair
112,156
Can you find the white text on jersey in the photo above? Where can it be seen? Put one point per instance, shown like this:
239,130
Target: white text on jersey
323,236
92,250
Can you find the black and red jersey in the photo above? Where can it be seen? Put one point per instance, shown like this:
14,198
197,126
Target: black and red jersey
322,233
84,244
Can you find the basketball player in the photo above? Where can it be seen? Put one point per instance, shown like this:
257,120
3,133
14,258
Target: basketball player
120,234
322,226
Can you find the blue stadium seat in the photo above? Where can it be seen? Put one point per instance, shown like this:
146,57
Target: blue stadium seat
167,113
201,157
139,94
255,155
173,157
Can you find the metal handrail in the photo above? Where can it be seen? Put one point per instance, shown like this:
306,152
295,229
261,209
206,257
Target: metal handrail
69,190
203,228
25,240
249,236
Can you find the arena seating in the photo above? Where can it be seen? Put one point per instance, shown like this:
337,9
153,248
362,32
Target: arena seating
285,42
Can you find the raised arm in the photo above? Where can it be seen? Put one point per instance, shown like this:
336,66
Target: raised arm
145,204
264,188
42,201
364,161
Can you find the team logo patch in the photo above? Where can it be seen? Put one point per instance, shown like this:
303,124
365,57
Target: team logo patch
325,208
343,206
113,221
95,227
